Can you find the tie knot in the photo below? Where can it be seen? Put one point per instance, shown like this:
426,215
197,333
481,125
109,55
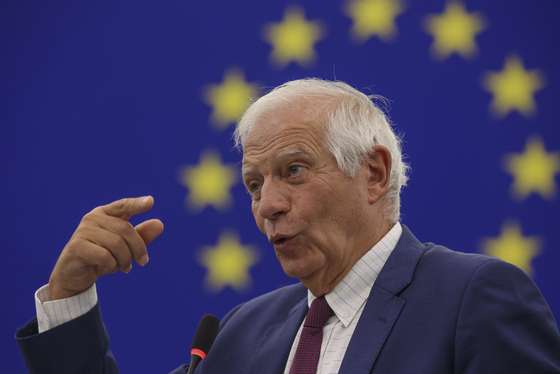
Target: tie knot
318,314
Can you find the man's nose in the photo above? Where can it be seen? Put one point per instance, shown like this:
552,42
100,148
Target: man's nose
273,201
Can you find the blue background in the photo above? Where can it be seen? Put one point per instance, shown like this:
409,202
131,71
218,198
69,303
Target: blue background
104,99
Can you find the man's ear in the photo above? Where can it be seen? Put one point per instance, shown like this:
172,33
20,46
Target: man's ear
378,163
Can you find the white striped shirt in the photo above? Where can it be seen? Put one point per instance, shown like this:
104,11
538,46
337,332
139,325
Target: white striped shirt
348,300
56,312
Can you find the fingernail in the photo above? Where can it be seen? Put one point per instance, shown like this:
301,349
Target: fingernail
146,199
128,269
144,260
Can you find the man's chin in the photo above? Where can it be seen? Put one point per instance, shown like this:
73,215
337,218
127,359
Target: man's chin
297,269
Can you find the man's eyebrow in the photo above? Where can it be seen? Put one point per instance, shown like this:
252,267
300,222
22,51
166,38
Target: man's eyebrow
248,169
293,153
288,153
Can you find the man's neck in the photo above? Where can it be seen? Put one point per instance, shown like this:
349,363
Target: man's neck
325,285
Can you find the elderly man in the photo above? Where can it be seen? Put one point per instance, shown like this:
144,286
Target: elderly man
324,170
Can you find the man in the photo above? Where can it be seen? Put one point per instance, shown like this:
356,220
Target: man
324,170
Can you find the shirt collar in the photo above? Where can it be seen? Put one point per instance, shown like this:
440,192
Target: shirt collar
350,294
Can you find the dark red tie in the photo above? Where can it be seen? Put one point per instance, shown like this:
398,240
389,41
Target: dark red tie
309,346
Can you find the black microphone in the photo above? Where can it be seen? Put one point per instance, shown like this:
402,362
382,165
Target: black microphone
203,338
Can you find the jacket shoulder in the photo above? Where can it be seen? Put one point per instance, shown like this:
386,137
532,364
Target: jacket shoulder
456,263
451,272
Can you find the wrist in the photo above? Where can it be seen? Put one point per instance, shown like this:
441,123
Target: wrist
57,291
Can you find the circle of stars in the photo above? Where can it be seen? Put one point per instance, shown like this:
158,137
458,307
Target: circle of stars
293,39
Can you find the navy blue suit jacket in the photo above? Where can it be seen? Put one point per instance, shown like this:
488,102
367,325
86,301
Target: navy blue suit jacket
431,310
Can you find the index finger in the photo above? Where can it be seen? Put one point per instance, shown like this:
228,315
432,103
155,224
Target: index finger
128,207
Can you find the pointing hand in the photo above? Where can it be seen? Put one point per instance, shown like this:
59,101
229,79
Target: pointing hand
104,242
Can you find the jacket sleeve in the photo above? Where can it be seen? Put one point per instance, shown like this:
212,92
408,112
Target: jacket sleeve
78,346
505,325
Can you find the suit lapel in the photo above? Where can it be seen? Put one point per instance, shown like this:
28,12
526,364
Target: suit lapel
277,342
383,306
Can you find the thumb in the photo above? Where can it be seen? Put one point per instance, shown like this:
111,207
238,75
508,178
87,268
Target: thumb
149,230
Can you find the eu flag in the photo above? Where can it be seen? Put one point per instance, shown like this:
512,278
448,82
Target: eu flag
109,99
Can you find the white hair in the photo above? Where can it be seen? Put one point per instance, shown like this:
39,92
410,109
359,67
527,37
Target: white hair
354,125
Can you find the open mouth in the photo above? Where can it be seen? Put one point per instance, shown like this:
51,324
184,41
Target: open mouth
281,240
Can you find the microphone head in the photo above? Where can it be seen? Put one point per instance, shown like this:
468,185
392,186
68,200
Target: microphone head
206,333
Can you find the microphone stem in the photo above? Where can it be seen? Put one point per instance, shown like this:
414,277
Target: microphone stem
195,360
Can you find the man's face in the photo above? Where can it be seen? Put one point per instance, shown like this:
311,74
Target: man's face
307,207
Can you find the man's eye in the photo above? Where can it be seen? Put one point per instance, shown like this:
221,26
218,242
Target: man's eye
295,170
253,187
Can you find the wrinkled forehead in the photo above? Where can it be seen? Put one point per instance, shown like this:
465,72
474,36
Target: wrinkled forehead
286,129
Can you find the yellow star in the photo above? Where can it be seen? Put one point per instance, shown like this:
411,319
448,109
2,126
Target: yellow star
293,39
533,170
513,88
209,182
228,263
454,31
374,18
511,246
230,98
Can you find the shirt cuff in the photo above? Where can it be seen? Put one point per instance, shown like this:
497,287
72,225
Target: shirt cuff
51,314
